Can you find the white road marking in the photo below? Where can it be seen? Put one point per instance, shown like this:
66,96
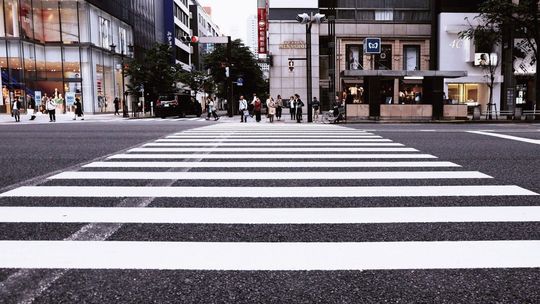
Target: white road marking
123,175
271,149
270,192
273,144
269,256
272,156
521,139
254,140
411,164
320,137
261,216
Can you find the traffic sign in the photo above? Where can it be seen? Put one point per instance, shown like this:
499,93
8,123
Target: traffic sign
372,46
240,82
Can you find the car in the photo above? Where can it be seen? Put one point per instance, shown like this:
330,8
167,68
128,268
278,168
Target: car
177,105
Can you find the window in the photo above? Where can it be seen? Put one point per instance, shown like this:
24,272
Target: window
122,41
355,56
384,15
411,57
463,92
383,61
104,27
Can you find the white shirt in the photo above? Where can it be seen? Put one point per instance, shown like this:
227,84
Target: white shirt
243,105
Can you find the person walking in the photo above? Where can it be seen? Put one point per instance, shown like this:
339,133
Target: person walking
257,108
51,108
243,109
16,110
315,105
271,104
78,109
211,108
298,104
292,109
279,107
116,106
32,106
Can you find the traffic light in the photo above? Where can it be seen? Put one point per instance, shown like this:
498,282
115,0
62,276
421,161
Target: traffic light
291,65
189,39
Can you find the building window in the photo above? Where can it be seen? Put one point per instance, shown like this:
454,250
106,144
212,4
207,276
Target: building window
104,27
411,57
383,61
384,15
463,92
122,40
354,55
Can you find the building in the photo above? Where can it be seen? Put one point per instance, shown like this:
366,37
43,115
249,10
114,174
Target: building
251,33
399,80
202,26
63,49
176,22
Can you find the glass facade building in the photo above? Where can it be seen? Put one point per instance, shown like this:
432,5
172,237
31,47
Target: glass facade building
62,49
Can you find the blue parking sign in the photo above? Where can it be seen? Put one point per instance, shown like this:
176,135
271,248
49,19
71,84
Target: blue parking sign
372,46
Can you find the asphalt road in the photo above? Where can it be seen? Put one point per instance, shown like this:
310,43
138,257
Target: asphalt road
32,154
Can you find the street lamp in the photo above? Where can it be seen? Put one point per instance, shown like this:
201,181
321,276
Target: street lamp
308,20
124,93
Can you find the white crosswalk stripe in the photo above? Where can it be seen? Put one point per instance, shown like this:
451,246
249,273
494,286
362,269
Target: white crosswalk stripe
260,166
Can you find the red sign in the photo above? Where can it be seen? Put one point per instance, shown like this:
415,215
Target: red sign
262,27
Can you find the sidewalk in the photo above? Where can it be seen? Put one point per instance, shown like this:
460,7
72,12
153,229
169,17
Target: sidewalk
60,118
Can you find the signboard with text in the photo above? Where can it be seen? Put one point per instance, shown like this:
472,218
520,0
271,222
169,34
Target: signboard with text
261,29
70,98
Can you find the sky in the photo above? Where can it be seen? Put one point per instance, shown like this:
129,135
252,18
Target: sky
231,15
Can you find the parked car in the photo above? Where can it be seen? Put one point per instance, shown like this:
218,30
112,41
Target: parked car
177,105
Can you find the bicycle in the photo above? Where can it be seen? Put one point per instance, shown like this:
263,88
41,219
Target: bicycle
330,117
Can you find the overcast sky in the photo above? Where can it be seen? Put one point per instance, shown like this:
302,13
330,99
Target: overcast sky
231,15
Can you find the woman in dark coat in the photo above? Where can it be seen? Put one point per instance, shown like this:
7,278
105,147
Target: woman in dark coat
78,109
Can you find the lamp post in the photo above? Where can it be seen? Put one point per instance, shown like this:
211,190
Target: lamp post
308,20
124,93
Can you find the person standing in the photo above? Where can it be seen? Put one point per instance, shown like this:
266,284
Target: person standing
292,109
243,109
16,110
32,106
271,104
279,107
43,105
211,108
257,108
298,104
78,109
315,105
116,106
51,108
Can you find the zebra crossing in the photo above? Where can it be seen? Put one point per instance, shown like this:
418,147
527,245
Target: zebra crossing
259,175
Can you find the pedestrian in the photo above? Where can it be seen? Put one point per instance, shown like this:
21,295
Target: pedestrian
250,105
257,108
298,104
315,105
211,108
43,105
116,106
51,108
243,109
271,104
78,109
279,107
16,110
292,109
32,106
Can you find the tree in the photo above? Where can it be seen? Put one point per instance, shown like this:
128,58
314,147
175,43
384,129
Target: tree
155,72
487,39
196,80
520,16
243,65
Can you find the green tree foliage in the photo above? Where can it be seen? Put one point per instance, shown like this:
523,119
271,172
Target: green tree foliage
243,64
196,81
520,17
155,71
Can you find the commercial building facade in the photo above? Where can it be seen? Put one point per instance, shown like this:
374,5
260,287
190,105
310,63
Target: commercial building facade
63,49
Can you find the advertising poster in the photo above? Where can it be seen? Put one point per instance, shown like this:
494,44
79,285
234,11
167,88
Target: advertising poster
354,57
37,97
70,98
524,60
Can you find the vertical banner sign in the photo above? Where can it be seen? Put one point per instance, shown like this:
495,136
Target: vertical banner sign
168,19
262,26
37,98
70,98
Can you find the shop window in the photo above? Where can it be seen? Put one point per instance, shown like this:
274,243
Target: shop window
383,61
26,19
70,24
38,22
122,41
354,55
463,92
51,22
411,57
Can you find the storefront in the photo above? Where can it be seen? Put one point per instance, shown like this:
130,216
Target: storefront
62,49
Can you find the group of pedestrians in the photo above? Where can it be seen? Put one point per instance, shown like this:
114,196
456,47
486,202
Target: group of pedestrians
47,105
274,108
